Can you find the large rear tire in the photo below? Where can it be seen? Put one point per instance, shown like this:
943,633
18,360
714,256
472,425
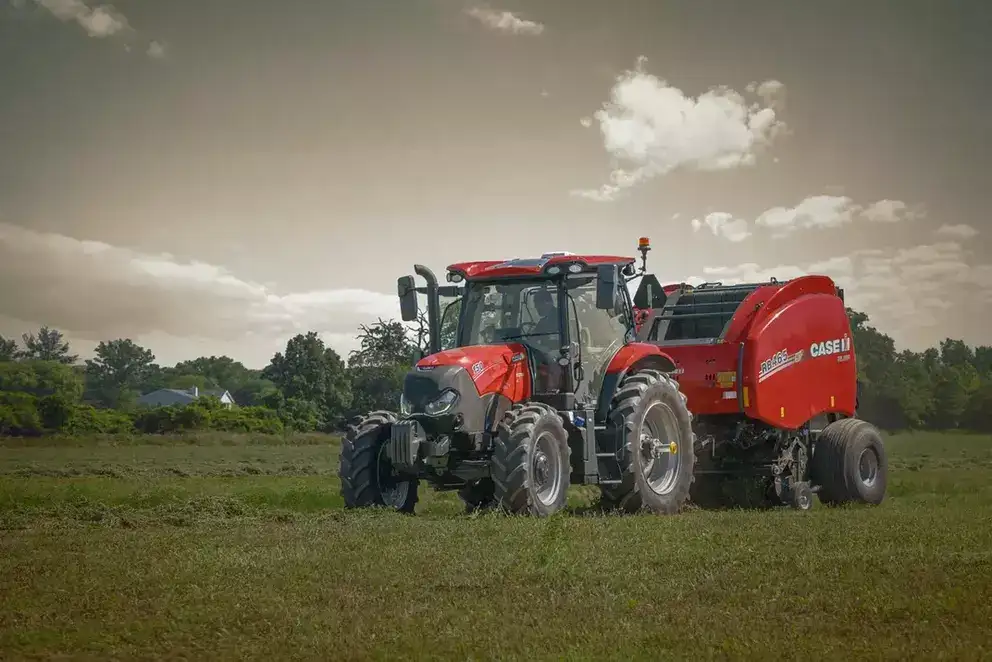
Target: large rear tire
849,463
649,413
366,474
530,464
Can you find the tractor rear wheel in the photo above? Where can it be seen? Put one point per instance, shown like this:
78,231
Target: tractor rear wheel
530,463
849,463
654,426
365,471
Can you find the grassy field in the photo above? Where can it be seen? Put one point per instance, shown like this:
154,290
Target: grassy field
232,548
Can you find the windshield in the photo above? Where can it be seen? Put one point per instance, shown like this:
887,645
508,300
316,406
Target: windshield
512,311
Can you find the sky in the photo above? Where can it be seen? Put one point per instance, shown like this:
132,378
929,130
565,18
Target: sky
215,177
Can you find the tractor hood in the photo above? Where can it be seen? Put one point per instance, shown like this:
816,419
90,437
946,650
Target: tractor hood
466,388
484,364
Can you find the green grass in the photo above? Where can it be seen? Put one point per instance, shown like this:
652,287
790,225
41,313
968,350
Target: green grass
232,548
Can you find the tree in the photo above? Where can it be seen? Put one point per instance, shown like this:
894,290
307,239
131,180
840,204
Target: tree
253,391
48,345
310,372
954,387
382,344
41,379
221,372
120,367
377,368
8,349
955,353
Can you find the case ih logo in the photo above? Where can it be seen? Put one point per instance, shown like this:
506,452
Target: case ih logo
830,347
777,363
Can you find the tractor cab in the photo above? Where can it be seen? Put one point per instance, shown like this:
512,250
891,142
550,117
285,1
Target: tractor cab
564,316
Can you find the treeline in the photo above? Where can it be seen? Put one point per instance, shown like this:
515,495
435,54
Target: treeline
942,388
305,388
309,387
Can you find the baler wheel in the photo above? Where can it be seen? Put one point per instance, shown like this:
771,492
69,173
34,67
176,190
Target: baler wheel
365,471
849,463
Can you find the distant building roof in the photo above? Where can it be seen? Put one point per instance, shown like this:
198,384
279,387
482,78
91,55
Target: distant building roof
164,397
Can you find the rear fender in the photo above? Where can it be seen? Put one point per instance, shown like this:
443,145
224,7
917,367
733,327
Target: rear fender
628,359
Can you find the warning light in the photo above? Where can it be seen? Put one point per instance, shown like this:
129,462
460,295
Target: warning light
644,242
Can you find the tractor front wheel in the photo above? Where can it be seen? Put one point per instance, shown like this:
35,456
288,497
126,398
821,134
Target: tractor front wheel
530,463
849,463
657,445
367,477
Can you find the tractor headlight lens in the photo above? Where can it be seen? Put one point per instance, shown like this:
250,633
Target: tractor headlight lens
405,407
442,403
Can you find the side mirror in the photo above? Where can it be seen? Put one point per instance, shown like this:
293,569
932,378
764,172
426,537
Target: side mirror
606,287
406,287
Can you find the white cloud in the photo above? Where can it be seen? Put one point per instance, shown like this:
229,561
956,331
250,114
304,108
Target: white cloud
831,211
957,231
752,273
834,267
818,211
103,21
889,211
656,128
156,50
504,21
97,291
906,292
724,225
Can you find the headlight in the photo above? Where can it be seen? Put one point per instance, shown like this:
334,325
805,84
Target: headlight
404,405
442,403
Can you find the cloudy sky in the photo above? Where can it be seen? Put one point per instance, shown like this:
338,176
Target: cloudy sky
214,177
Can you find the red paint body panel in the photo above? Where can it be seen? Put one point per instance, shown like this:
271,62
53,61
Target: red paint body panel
749,308
707,374
493,368
633,352
506,268
799,334
799,362
791,290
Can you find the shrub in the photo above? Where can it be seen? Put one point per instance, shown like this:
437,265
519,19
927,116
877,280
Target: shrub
19,415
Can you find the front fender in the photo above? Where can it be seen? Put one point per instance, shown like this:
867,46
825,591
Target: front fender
630,358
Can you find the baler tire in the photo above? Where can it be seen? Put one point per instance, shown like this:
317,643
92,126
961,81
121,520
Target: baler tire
364,469
478,497
635,396
517,487
836,465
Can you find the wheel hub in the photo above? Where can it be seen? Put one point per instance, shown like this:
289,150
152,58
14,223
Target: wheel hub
541,469
868,467
654,448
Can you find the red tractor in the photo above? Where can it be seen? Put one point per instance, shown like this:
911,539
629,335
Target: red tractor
544,373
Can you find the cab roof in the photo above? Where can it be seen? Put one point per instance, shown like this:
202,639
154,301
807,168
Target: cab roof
536,266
